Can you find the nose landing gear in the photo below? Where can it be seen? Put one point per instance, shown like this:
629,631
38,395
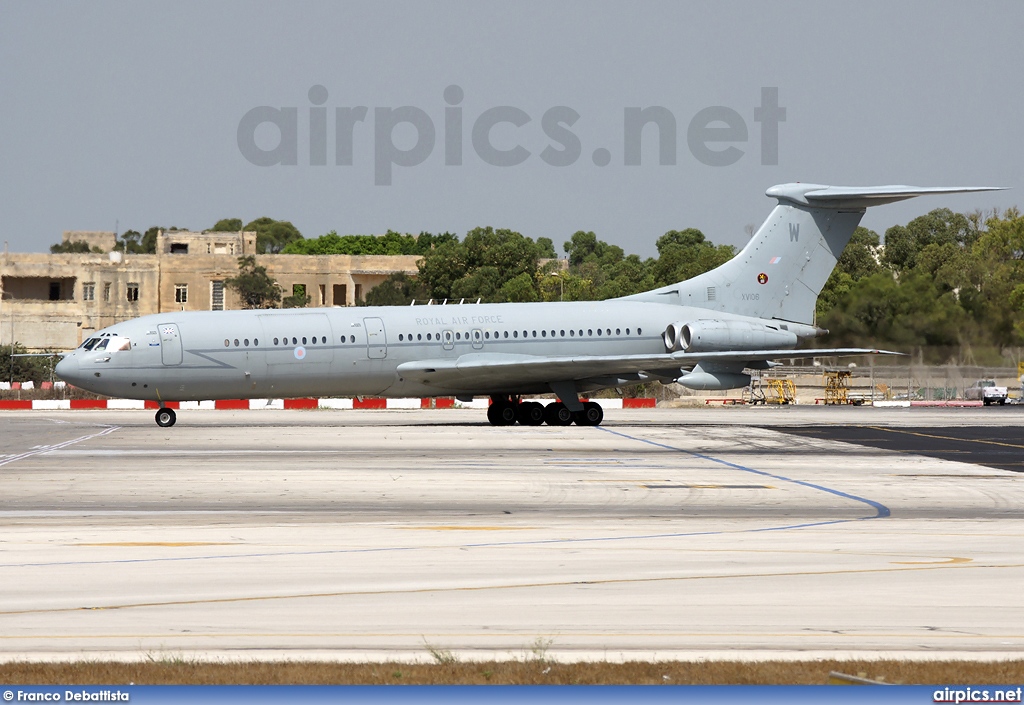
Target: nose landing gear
165,418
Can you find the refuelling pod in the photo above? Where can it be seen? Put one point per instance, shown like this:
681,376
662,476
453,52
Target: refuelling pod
714,336
713,379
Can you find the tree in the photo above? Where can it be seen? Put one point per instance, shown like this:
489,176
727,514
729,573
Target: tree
399,289
683,254
24,369
298,299
272,236
73,247
255,287
859,260
390,243
227,225
480,266
940,226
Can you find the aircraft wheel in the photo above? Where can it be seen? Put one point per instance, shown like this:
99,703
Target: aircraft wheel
165,417
501,413
530,413
592,415
557,414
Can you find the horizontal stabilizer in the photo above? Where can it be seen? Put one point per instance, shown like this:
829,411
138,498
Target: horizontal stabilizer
859,197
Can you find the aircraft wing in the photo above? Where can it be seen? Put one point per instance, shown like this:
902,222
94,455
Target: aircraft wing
492,370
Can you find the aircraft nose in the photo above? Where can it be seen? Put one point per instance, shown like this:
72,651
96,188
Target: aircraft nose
68,369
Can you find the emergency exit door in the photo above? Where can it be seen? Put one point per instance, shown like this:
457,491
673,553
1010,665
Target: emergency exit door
170,344
376,341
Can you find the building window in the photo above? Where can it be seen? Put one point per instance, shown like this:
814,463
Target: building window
217,295
132,292
179,248
106,291
181,293
89,291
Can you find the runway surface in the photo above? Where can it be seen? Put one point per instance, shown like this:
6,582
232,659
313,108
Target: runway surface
710,533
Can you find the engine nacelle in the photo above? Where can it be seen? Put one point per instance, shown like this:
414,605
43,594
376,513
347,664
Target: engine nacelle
711,335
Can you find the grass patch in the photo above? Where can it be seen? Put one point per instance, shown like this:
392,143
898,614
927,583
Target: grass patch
538,670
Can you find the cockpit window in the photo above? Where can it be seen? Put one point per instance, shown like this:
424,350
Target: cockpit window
119,344
88,344
102,345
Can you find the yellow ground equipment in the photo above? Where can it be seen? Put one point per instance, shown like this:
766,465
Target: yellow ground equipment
779,391
836,386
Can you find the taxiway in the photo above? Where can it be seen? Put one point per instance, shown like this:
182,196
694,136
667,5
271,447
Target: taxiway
733,533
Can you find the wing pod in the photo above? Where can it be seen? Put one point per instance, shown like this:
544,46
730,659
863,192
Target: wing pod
719,336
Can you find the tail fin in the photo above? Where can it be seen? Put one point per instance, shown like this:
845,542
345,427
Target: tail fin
782,269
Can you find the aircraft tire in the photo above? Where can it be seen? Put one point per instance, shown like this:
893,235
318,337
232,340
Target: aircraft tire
501,413
592,415
557,414
530,413
165,418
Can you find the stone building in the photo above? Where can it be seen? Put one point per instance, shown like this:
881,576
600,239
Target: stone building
55,301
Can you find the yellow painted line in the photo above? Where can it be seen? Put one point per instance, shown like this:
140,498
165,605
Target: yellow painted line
946,438
509,586
947,561
466,528
171,544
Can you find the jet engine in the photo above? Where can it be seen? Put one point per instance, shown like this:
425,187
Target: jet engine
713,335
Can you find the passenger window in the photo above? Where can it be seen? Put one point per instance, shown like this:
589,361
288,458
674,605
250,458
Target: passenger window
226,342
581,332
572,333
618,331
303,340
294,341
590,331
419,336
275,341
323,339
562,332
627,331
599,331
236,342
638,331
543,334
608,332
515,334
552,334
246,341
256,342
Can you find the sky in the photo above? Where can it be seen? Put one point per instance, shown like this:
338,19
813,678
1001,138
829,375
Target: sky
128,115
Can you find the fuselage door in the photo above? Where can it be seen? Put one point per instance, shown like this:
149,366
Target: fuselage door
170,344
447,340
376,341
478,339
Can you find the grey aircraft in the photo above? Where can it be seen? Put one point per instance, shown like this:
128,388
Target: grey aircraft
703,333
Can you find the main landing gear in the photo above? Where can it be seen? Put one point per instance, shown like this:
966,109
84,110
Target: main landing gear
165,417
506,411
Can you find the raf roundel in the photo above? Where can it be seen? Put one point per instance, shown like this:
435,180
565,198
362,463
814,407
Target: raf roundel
762,278
300,353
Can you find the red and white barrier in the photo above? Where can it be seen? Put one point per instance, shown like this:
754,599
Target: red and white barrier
304,403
